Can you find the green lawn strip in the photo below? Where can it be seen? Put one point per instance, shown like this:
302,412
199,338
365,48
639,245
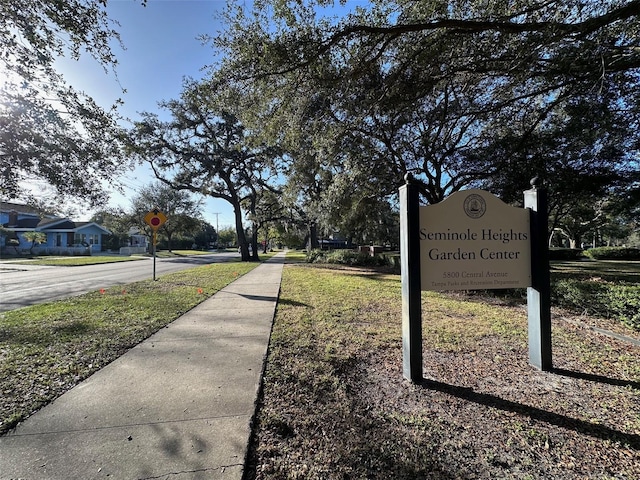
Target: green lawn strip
597,270
46,349
335,404
98,259
76,261
296,256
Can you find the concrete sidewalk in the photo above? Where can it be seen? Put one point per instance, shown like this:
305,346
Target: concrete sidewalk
177,406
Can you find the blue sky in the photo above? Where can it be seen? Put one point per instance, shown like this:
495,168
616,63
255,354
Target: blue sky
161,49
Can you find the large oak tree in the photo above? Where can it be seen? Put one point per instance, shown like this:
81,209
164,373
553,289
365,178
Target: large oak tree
458,92
205,149
183,211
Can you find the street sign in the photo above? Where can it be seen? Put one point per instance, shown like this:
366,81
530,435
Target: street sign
155,219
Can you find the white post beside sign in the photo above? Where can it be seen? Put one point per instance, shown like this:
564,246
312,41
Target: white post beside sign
474,241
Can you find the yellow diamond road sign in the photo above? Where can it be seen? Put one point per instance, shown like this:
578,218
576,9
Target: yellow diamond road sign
155,219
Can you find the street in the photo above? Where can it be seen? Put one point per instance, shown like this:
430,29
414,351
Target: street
24,285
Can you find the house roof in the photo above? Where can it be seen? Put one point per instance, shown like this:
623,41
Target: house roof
19,208
34,221
66,225
82,225
58,223
27,223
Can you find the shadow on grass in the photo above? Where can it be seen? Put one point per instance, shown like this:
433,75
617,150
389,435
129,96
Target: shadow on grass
597,378
581,426
39,337
610,270
292,303
75,328
386,277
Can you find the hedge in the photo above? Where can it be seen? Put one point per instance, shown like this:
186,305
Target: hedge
347,257
566,254
613,253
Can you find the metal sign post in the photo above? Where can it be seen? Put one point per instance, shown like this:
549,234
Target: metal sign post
154,242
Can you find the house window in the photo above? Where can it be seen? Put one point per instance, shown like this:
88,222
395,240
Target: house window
58,240
94,239
80,238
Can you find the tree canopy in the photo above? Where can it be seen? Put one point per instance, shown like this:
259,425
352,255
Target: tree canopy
48,129
181,209
462,94
205,149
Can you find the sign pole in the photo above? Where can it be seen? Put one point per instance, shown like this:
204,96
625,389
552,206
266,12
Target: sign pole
539,294
155,219
154,241
411,290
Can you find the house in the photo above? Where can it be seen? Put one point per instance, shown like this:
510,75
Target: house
64,236
137,242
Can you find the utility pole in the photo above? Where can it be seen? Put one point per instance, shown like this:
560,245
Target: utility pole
217,229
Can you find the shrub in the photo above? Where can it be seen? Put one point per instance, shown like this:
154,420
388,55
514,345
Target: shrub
316,256
613,253
600,298
347,257
565,254
394,261
624,300
343,257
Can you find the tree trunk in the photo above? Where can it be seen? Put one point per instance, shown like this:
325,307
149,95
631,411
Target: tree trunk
242,239
312,241
575,241
254,243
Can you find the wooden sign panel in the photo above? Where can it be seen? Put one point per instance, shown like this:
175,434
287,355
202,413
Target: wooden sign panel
474,241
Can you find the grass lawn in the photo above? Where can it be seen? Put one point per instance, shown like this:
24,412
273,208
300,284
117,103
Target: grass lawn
608,289
335,404
611,270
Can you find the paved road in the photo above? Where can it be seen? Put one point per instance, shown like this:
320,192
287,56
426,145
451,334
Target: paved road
24,285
